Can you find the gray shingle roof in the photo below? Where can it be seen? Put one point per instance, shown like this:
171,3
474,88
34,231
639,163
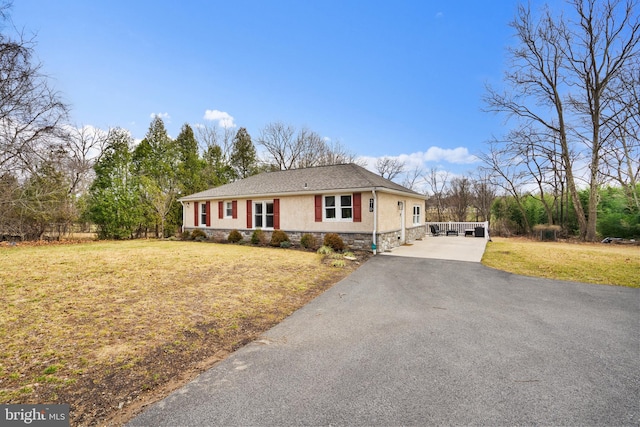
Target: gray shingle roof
312,180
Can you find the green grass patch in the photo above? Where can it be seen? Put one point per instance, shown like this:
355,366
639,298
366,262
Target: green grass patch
595,263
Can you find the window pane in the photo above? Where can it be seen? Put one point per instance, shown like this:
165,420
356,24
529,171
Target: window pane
229,209
269,220
258,209
346,213
258,221
330,201
330,213
345,201
269,208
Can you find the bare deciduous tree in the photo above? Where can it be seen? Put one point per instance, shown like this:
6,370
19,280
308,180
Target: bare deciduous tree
84,148
559,79
31,136
280,142
413,178
460,197
506,172
484,193
622,151
389,167
288,148
437,182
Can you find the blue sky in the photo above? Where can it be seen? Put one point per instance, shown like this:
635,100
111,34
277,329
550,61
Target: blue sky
401,78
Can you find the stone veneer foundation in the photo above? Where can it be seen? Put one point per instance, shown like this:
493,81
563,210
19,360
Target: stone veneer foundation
356,241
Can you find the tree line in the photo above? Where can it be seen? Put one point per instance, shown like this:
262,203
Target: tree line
571,158
136,187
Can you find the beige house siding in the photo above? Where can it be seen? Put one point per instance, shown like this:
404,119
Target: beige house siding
390,215
297,213
297,216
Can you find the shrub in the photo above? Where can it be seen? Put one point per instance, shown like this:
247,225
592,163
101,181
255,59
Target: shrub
186,235
234,236
198,234
338,263
257,237
277,237
285,244
334,241
308,241
325,250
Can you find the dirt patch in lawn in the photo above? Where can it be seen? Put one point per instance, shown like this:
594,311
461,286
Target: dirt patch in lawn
109,327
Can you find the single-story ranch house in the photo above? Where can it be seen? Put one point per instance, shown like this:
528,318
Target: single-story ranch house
366,210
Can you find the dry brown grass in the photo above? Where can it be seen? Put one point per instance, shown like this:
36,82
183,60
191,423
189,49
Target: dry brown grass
102,325
581,262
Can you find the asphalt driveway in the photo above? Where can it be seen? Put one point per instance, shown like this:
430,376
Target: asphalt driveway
411,341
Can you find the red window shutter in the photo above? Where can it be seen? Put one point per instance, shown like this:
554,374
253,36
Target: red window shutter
234,209
276,214
318,208
249,214
220,209
195,214
357,207
208,211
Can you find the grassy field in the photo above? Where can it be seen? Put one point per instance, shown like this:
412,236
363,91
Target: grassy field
110,326
581,262
105,325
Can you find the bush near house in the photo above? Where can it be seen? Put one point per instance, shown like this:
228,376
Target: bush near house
258,237
277,237
308,241
234,236
334,242
198,234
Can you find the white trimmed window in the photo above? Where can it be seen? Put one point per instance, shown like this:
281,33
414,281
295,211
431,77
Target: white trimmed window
203,214
416,215
338,208
228,209
263,214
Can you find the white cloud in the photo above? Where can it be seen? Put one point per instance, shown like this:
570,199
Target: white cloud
425,161
458,155
439,15
223,118
163,116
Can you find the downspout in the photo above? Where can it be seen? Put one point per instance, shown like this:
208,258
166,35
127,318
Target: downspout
183,217
375,221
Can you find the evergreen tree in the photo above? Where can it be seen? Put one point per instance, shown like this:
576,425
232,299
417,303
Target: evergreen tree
191,166
156,161
114,196
217,169
243,159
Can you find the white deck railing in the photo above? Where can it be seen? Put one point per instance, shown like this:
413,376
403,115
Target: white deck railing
462,228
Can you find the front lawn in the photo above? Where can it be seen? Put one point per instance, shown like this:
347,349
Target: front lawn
108,326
